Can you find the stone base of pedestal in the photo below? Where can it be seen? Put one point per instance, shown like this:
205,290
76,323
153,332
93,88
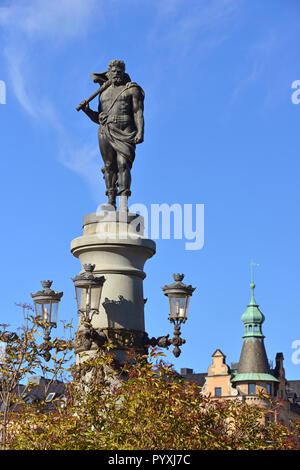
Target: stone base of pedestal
114,242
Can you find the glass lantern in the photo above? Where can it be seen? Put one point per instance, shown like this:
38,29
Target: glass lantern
46,304
179,295
88,290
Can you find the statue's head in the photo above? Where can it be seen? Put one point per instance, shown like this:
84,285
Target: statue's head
116,71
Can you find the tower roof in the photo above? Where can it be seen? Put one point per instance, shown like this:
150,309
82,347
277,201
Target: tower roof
253,364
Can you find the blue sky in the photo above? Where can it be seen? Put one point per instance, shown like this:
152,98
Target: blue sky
220,130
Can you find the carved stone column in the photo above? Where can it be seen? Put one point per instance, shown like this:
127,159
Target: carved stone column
114,242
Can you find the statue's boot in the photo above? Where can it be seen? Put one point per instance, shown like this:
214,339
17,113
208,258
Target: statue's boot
110,182
111,203
112,198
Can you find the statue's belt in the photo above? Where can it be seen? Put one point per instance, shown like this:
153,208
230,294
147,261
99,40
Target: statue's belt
113,118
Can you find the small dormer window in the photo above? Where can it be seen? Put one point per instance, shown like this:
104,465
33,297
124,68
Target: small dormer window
50,397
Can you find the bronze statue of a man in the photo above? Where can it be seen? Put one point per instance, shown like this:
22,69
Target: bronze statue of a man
120,115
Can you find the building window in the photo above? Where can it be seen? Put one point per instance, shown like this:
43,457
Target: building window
269,389
251,389
50,397
218,391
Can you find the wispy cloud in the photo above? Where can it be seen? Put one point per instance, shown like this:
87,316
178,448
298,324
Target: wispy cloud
258,60
58,19
193,27
85,161
48,26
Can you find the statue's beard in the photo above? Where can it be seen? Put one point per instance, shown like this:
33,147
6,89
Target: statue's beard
117,80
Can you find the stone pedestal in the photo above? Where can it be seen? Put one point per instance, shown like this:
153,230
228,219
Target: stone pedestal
114,242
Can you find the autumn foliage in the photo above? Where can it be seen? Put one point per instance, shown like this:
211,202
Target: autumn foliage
144,405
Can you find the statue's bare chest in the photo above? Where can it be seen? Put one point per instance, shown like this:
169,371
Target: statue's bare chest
116,100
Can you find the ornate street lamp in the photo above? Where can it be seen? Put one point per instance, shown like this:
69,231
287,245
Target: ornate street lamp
88,290
46,304
179,299
179,295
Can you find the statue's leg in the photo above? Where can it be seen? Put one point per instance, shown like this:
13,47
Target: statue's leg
124,176
110,168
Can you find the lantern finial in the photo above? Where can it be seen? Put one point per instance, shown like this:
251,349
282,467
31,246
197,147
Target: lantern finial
178,277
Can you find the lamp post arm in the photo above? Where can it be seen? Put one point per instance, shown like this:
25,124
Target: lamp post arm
46,346
98,337
165,341
177,341
87,336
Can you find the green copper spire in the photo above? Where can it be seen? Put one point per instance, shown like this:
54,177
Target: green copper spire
253,318
253,364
